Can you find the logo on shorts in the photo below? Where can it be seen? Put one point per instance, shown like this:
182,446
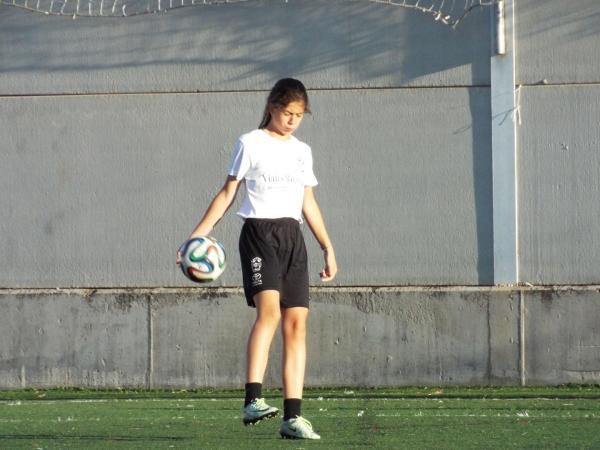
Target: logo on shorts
256,264
256,279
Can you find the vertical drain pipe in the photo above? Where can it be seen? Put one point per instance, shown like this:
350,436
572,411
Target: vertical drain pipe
522,338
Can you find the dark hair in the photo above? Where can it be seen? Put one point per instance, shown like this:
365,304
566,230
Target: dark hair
285,91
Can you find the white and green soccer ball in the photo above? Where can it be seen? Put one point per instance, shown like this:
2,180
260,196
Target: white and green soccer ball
202,259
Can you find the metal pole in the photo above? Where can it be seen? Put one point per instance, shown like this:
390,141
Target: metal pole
504,146
499,28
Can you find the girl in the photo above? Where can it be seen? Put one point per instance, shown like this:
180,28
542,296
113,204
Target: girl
277,171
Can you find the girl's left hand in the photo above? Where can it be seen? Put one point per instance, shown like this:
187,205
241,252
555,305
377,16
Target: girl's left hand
328,273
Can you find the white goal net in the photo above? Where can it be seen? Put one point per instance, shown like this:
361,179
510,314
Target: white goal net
449,12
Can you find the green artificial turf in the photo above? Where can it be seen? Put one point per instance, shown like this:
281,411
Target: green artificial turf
411,418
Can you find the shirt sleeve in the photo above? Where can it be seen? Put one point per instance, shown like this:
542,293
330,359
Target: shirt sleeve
309,176
240,161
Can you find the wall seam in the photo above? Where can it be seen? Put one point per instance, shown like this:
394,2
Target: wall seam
150,366
249,91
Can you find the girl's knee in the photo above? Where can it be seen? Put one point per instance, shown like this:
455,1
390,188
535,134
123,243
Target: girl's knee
268,316
294,327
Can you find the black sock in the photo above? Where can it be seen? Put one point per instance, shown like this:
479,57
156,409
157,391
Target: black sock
291,408
253,390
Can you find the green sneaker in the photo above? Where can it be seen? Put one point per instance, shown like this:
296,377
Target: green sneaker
297,428
257,411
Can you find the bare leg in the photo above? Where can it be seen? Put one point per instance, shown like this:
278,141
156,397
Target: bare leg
294,350
268,314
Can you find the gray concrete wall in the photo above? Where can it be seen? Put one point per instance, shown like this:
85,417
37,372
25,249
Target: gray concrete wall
329,44
109,186
559,184
557,41
118,177
558,67
356,336
117,132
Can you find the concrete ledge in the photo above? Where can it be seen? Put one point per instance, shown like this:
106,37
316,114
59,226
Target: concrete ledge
357,336
69,339
563,336
379,338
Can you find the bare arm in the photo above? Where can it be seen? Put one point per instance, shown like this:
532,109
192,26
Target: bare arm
215,211
217,208
314,219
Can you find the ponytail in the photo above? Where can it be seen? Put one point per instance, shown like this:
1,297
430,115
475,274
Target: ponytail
266,117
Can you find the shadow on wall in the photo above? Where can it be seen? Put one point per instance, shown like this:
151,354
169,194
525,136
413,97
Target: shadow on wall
557,42
571,20
249,45
469,46
238,47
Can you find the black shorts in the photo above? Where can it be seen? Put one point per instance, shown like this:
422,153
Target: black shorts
273,257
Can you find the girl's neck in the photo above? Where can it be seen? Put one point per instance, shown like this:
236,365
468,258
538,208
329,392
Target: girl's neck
275,134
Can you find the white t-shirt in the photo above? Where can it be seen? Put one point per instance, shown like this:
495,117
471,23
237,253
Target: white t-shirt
275,171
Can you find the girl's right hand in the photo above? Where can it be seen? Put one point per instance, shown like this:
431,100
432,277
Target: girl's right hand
179,254
180,251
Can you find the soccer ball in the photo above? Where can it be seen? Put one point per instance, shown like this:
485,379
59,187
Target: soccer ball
202,259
